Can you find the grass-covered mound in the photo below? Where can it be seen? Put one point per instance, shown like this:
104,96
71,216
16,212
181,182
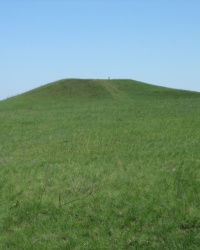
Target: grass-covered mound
100,164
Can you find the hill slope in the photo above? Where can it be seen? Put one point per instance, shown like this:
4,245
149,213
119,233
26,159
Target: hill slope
100,164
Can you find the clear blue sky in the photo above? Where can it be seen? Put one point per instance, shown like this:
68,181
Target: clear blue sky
155,41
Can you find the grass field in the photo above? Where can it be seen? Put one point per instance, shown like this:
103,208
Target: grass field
100,164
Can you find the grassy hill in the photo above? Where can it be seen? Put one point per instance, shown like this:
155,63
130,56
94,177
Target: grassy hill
100,164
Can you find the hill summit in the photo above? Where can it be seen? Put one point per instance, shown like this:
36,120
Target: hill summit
95,88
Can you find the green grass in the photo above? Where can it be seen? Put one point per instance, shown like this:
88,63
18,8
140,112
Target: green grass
100,164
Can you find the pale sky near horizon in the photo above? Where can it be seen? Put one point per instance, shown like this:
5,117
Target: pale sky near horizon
154,41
